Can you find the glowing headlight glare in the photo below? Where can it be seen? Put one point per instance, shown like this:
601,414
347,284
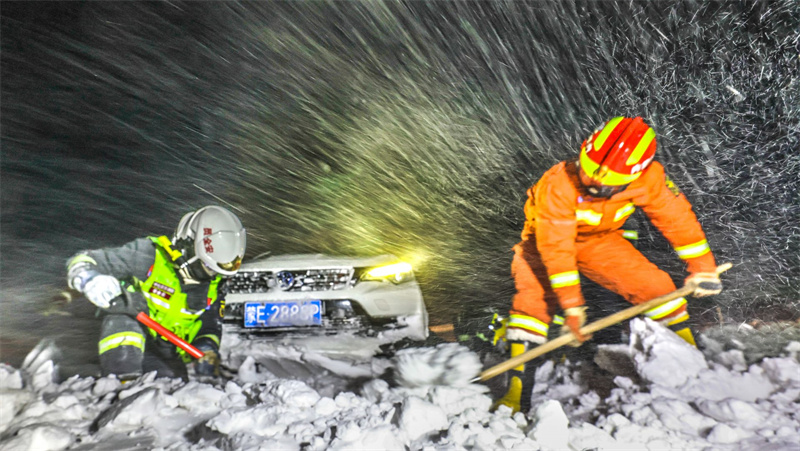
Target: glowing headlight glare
389,270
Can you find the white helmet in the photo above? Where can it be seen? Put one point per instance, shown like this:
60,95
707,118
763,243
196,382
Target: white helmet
218,236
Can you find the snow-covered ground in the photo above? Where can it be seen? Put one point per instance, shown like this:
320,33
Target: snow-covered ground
654,393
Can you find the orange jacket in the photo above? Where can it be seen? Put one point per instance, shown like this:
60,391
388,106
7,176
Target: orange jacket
559,214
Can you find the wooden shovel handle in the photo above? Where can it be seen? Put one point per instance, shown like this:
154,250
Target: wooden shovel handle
591,328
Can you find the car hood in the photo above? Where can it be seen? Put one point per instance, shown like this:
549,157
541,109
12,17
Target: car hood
311,261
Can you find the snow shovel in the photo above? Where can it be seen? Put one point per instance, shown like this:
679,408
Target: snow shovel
591,328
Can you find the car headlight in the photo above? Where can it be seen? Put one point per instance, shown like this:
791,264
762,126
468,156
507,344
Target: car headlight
395,273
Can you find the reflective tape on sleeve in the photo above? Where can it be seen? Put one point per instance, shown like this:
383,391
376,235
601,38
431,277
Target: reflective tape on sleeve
693,250
665,309
528,323
121,339
82,258
565,279
590,217
630,234
558,320
624,212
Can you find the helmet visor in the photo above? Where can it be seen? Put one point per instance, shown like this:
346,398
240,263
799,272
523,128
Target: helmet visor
222,251
232,265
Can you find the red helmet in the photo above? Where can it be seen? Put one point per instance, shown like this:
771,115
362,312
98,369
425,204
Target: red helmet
617,153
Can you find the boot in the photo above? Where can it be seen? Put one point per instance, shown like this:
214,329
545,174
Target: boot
682,328
520,381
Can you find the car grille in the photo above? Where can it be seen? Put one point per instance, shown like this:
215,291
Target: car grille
328,279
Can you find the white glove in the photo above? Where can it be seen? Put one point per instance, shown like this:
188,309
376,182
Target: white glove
707,284
101,289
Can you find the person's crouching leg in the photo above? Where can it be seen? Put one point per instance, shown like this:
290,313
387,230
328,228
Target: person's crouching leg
521,378
121,347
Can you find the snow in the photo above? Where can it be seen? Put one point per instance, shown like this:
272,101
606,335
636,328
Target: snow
661,394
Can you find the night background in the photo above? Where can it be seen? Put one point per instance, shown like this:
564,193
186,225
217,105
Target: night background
412,128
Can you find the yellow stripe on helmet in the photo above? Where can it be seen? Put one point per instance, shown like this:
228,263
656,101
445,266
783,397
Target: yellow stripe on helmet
609,127
640,149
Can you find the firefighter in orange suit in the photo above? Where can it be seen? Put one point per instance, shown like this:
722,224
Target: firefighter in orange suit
573,218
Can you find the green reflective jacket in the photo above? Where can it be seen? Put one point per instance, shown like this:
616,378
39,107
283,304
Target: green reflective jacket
166,301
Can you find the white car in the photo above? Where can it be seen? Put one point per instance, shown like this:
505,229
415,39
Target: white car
312,293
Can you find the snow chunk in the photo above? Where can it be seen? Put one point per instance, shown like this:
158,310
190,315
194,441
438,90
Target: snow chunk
419,418
40,437
294,393
105,385
381,437
199,398
722,433
248,372
680,416
325,407
719,384
446,364
589,436
784,371
550,426
733,411
11,403
10,377
661,357
455,401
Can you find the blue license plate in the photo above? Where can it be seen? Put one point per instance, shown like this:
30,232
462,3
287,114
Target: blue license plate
283,314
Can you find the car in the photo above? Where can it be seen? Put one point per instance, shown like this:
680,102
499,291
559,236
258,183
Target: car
316,293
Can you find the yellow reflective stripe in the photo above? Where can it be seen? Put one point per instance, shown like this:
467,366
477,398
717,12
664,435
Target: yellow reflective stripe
213,338
558,320
518,349
648,137
625,211
676,319
83,258
565,279
665,309
603,136
693,250
630,234
121,339
528,323
590,217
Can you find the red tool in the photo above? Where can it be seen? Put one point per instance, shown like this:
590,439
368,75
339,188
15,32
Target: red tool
174,339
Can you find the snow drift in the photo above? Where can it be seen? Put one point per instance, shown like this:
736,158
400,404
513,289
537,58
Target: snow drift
660,394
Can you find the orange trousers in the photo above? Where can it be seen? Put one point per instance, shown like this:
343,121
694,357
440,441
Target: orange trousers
609,260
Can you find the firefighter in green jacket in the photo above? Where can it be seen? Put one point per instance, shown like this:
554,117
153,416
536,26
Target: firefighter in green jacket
177,281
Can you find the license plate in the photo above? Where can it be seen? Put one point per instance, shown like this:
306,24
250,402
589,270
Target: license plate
283,314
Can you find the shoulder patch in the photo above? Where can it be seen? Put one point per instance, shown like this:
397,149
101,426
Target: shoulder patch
671,186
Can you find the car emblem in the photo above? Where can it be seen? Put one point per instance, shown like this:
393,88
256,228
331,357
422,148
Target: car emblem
285,279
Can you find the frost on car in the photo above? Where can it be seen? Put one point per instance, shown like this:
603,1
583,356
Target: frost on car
320,293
